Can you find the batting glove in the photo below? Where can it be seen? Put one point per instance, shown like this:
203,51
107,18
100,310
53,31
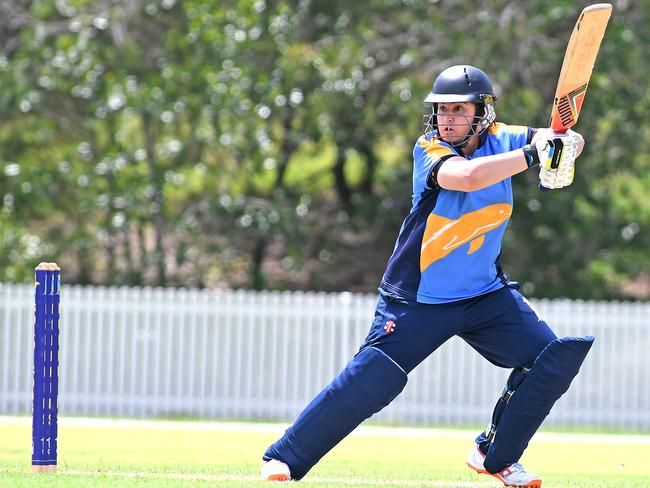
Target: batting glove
556,154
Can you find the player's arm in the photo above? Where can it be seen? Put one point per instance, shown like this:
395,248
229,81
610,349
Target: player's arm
467,175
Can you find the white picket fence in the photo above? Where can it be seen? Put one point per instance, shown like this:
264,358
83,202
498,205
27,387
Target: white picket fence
141,352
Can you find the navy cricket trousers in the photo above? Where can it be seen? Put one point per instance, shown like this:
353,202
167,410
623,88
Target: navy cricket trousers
502,326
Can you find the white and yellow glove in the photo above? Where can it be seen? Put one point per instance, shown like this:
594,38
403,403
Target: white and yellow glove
555,153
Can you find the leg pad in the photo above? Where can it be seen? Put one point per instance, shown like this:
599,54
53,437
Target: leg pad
547,380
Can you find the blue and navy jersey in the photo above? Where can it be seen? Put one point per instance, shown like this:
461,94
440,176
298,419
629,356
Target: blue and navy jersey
449,244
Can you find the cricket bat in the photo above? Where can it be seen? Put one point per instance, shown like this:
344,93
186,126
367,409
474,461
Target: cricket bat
579,60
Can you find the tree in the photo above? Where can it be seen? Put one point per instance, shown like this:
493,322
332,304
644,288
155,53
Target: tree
266,144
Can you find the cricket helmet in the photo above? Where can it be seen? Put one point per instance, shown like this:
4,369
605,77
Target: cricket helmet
461,83
464,83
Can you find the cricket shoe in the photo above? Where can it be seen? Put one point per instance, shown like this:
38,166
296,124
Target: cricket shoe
275,470
513,475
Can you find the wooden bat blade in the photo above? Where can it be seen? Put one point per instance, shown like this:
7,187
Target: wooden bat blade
579,60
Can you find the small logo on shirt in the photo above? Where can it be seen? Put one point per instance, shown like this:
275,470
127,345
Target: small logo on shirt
389,327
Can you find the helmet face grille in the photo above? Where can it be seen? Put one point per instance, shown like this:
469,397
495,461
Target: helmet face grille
463,83
477,124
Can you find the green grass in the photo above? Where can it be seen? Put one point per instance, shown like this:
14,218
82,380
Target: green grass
200,454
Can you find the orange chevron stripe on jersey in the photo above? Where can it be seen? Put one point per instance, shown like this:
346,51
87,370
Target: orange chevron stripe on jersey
443,235
435,149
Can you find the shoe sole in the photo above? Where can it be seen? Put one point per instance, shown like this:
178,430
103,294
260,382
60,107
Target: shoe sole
530,484
279,477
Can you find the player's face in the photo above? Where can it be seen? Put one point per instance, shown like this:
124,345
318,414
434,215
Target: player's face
455,120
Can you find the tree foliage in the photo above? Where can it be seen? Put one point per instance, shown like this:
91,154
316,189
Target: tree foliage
266,143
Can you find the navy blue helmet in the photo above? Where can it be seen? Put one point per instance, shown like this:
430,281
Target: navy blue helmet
464,83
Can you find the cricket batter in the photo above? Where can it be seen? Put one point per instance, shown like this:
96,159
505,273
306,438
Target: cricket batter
444,279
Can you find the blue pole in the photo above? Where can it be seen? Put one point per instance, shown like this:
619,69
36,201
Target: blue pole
56,300
39,458
46,367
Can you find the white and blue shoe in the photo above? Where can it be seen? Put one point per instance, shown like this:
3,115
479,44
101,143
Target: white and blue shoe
514,475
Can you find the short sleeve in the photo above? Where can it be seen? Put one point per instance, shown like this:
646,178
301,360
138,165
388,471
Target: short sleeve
519,135
426,155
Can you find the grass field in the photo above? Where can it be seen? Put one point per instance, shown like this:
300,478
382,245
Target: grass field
107,453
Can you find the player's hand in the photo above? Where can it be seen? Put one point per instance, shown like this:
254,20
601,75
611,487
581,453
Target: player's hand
556,153
544,133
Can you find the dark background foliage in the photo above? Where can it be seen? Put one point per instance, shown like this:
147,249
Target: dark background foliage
267,144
